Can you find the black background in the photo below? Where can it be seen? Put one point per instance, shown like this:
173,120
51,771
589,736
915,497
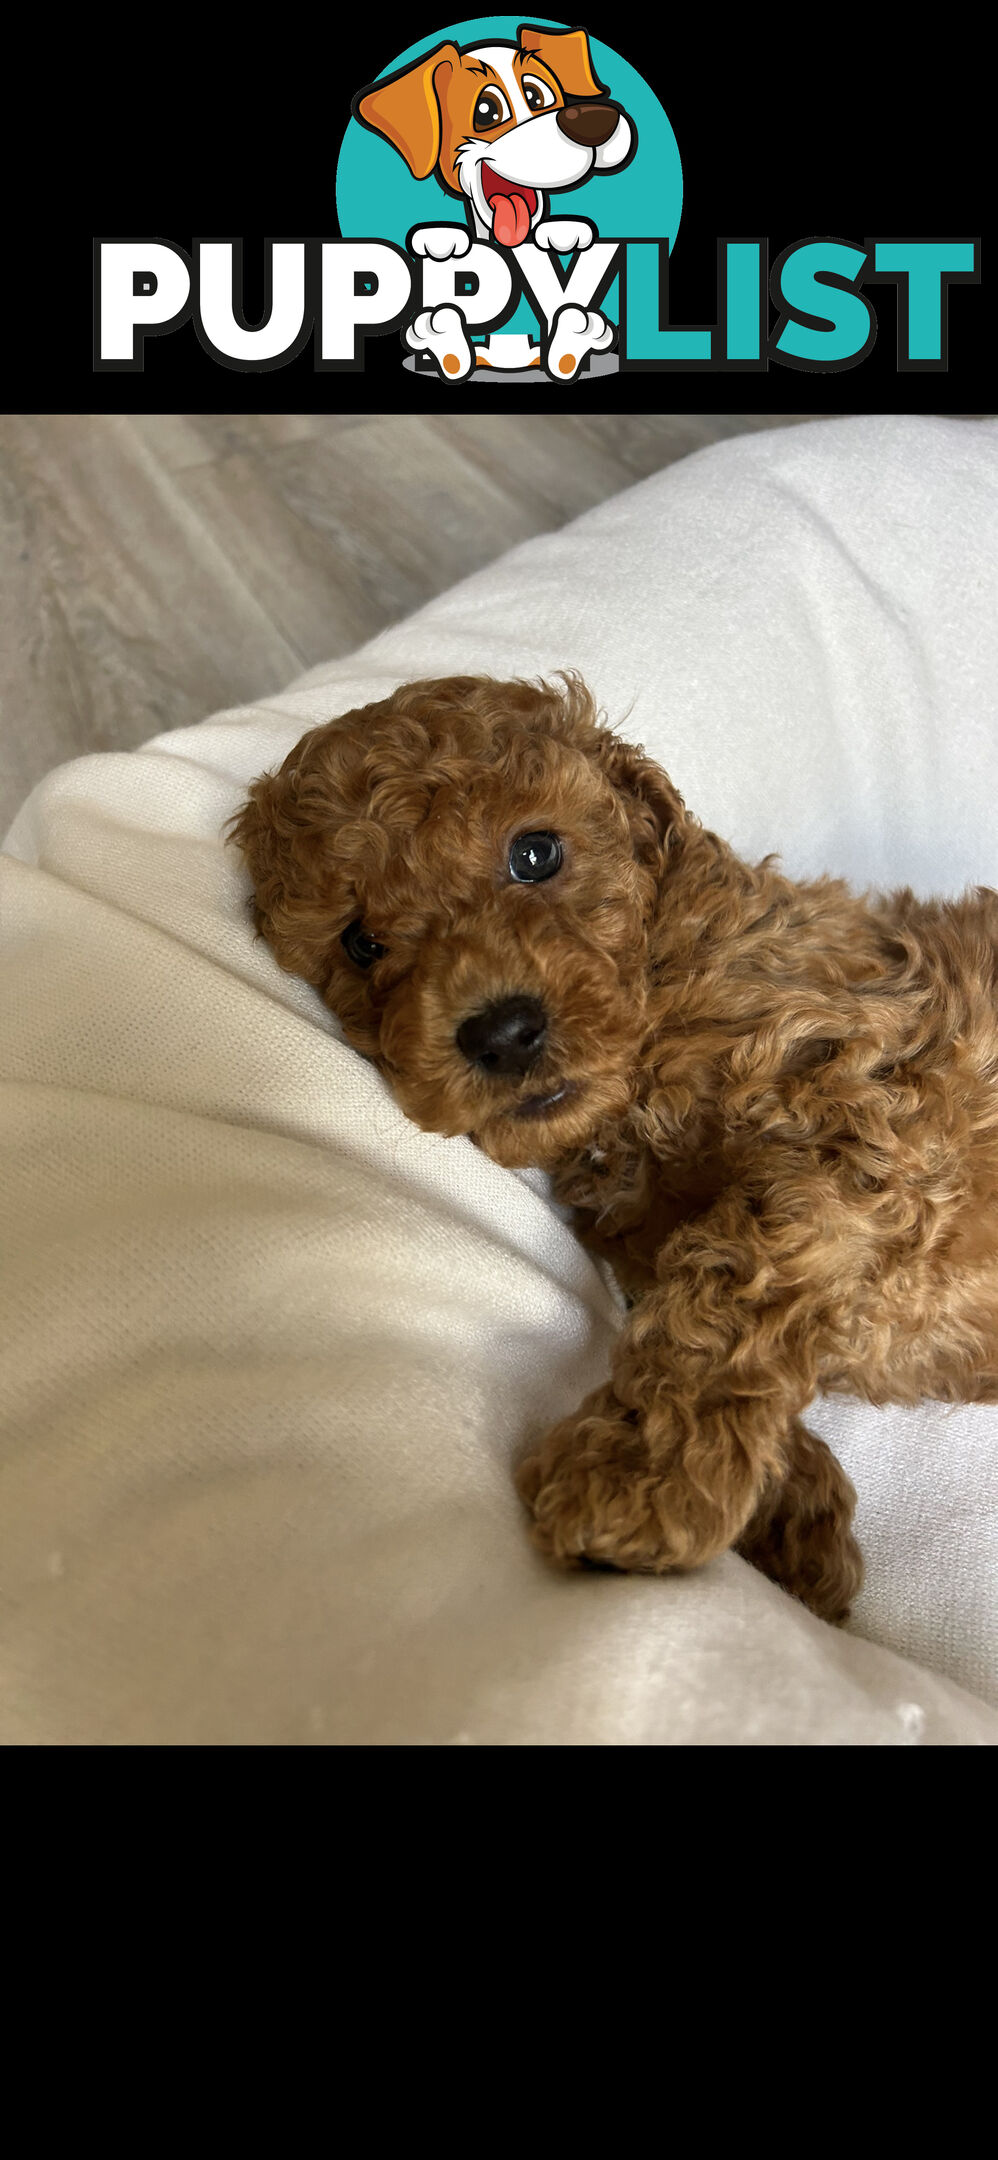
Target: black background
787,128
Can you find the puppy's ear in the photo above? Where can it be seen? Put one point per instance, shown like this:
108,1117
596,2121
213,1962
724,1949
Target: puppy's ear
655,811
255,829
405,108
290,908
567,54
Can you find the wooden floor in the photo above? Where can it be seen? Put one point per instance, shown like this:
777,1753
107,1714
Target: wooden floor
155,568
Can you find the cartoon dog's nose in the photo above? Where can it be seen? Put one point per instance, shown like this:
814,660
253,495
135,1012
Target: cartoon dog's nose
507,1037
588,124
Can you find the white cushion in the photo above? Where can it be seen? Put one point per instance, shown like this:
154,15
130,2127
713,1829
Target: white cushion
269,1351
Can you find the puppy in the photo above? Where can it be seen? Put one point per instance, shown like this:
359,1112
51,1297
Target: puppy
773,1105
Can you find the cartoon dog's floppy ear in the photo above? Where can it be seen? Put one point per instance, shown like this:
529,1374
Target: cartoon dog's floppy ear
405,108
566,53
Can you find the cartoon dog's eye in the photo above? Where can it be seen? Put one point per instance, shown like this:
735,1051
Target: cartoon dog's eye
490,109
360,948
538,95
534,857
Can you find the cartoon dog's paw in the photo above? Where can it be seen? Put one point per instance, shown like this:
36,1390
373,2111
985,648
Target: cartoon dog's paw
575,332
441,332
440,241
562,236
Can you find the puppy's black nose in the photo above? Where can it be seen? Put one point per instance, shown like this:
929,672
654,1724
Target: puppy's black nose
588,124
507,1037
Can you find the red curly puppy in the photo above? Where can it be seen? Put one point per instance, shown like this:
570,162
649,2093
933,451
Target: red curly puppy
774,1105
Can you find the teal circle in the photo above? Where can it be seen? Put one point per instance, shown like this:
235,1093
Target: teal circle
377,197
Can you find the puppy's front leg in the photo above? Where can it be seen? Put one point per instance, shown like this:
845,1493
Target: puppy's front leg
678,1457
801,1532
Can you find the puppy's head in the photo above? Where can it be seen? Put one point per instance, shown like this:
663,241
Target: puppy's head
467,873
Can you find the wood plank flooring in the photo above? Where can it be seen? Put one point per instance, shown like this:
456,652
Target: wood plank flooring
156,567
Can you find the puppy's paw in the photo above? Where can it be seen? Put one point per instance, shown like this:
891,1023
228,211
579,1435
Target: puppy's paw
440,242
576,331
562,236
801,1534
442,333
818,1562
592,1496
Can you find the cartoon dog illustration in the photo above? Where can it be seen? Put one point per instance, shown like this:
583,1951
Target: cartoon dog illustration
503,125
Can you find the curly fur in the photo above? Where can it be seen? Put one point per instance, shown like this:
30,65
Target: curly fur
781,1124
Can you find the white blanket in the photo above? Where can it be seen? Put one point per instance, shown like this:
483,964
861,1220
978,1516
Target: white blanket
268,1351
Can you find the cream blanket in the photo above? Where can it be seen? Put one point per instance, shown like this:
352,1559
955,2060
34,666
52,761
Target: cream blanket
268,1351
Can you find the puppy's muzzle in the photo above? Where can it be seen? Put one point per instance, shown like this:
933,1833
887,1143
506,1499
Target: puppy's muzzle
506,1038
589,125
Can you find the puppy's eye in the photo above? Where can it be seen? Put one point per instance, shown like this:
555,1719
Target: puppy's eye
490,109
535,856
538,95
360,948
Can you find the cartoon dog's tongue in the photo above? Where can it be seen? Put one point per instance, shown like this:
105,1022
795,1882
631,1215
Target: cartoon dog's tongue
512,204
510,219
